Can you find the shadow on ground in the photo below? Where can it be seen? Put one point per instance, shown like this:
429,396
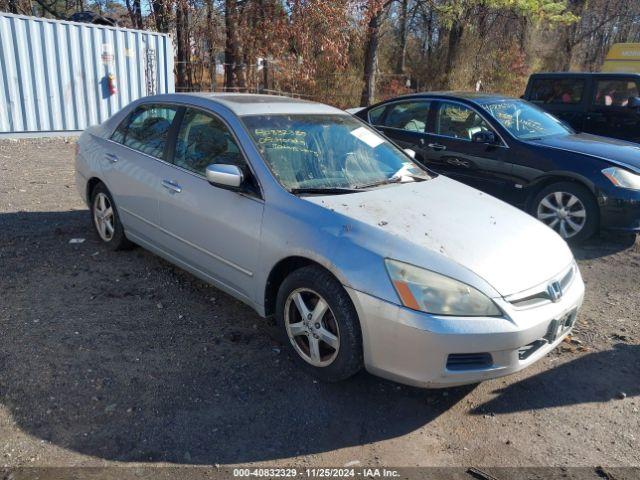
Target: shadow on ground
594,377
603,244
123,357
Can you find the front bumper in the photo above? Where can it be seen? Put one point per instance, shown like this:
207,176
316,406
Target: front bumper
424,350
620,210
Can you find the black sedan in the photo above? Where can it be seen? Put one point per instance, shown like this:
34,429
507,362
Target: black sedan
575,183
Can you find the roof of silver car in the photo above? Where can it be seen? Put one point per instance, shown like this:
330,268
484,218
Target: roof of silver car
257,104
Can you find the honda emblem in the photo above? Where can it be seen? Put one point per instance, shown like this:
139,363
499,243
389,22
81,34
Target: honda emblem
555,291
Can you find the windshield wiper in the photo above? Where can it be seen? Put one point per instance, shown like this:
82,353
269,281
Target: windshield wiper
386,181
397,179
320,190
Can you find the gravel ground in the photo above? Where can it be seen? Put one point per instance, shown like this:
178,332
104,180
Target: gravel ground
119,358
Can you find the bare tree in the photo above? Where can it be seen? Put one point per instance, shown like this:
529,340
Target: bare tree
211,37
375,10
161,11
402,36
135,13
233,58
182,40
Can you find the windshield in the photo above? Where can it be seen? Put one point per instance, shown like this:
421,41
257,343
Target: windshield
526,121
325,152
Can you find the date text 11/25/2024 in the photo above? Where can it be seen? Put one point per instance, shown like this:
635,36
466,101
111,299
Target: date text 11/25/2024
346,472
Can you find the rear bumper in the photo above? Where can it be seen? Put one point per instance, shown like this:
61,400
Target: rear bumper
428,351
620,210
81,186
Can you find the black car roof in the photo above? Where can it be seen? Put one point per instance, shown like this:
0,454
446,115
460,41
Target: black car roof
585,74
477,97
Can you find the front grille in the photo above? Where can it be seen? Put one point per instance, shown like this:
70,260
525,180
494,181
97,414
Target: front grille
568,278
469,361
541,297
532,300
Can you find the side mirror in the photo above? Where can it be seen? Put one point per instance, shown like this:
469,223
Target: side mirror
633,102
225,176
410,152
484,137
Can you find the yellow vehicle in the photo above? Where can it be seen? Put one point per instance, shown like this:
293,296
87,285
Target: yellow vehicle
623,57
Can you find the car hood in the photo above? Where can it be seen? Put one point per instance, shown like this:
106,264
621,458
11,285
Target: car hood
622,153
507,248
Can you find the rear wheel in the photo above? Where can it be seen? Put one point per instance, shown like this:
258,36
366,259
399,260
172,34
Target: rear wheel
320,324
106,220
570,209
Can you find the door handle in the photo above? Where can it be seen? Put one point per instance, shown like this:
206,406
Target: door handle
436,146
171,186
111,157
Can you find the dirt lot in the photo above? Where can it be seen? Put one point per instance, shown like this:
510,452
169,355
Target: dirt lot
120,357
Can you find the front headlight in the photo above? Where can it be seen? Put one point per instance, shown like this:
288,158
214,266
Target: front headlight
430,292
622,178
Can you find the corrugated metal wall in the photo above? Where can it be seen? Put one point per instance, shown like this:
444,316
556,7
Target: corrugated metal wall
53,74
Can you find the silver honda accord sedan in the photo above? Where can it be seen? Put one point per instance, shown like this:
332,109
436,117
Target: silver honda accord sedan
304,213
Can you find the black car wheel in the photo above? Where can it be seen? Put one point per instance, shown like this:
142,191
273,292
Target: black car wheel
570,209
106,219
320,323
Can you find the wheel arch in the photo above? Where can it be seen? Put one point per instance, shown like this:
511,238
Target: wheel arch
280,271
558,177
91,184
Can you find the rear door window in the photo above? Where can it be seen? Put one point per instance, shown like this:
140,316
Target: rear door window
567,91
410,116
147,129
615,93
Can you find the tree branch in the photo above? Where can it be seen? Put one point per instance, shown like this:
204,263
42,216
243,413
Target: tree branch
49,10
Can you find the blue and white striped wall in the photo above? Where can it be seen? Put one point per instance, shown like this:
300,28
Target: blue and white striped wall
54,74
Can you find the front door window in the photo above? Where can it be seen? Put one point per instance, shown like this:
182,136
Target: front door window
458,121
615,93
204,140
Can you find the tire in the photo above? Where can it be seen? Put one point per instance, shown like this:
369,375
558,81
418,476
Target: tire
107,225
564,205
335,360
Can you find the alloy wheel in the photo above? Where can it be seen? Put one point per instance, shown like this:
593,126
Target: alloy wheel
103,216
312,327
564,212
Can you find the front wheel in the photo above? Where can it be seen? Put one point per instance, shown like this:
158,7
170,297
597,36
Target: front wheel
570,209
320,324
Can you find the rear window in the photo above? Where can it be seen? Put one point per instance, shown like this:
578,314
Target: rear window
567,91
146,129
